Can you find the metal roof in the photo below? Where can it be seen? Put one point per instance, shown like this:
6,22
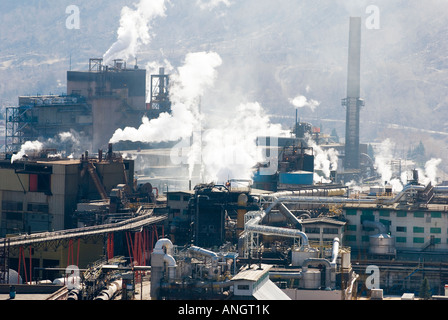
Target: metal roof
254,273
270,291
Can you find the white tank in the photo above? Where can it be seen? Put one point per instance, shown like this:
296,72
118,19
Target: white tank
311,279
382,244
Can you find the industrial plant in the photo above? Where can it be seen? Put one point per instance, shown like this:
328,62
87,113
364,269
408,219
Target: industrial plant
106,221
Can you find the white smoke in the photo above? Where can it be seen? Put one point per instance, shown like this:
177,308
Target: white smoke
384,166
325,161
383,162
429,174
383,157
300,101
28,146
230,148
134,29
187,86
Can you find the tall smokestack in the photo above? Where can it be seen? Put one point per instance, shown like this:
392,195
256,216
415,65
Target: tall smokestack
352,102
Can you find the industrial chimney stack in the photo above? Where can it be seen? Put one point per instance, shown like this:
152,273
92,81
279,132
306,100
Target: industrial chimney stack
352,102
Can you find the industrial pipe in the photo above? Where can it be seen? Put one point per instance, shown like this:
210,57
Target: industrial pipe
164,245
335,251
290,216
285,275
316,262
276,231
109,292
376,225
205,252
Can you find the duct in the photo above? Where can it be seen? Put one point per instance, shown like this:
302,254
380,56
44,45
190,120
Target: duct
441,189
73,294
285,275
408,188
316,262
110,291
334,254
290,216
298,196
241,243
275,231
164,245
375,224
205,252
171,263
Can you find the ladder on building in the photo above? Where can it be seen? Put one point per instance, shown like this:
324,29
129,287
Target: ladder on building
96,180
4,261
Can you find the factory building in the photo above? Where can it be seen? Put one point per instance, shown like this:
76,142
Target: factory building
43,117
41,194
116,93
97,102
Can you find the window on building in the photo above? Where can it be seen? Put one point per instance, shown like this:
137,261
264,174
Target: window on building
401,229
384,213
419,214
243,287
330,230
436,214
39,183
174,197
419,229
401,239
418,240
401,214
312,230
350,237
435,230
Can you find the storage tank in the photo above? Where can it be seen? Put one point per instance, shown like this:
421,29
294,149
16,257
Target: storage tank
311,279
382,243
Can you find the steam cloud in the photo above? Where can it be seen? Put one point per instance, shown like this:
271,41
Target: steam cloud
383,164
301,101
325,160
28,146
188,85
230,147
134,29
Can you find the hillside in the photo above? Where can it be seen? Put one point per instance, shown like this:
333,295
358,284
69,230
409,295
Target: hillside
271,52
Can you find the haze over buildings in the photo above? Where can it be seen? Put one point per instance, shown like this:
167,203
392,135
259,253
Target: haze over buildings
232,149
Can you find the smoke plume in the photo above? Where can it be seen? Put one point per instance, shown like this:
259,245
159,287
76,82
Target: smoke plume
325,160
134,29
230,147
300,101
28,146
187,86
